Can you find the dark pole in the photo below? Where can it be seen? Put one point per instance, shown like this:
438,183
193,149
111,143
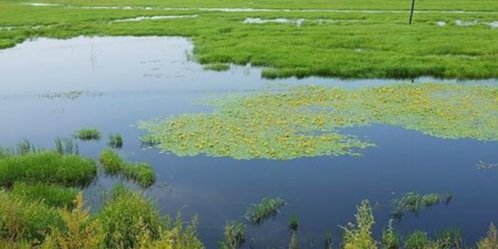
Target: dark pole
411,12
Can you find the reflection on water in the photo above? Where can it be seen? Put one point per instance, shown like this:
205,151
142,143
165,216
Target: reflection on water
125,80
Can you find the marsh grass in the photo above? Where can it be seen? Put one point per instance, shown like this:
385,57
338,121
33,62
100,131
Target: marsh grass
219,67
417,240
126,220
87,134
413,203
390,238
66,146
235,236
116,141
47,167
293,228
257,214
127,217
25,220
148,141
51,195
141,173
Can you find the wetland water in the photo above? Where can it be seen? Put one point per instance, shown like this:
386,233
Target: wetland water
121,81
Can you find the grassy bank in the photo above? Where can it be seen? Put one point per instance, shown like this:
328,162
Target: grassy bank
349,45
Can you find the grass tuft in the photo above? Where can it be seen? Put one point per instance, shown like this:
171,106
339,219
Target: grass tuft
257,214
116,141
87,134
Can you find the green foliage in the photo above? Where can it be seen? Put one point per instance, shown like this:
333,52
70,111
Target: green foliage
235,236
390,239
491,240
126,217
417,240
87,134
304,121
111,161
47,167
115,140
141,173
293,227
51,195
359,235
127,220
25,220
413,203
268,208
351,43
449,239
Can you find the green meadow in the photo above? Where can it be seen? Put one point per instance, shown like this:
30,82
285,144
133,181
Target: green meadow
367,39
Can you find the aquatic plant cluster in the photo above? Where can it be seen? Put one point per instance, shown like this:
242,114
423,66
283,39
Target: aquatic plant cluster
413,203
305,121
141,173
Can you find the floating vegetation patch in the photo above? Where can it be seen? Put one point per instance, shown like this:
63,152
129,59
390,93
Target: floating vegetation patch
144,18
268,208
88,134
304,121
413,203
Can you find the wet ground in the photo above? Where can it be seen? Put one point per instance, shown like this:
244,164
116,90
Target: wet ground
50,88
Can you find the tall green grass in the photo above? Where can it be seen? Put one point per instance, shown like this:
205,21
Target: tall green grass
51,195
47,167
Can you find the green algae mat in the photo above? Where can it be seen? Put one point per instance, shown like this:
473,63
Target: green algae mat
306,121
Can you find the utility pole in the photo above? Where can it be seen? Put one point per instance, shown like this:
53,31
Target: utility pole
411,12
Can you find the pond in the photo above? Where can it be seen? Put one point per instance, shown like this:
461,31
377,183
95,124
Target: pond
50,88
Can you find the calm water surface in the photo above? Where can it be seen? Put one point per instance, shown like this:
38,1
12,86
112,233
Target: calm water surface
125,80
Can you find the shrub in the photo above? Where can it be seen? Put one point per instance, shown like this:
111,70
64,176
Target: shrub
491,240
359,235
